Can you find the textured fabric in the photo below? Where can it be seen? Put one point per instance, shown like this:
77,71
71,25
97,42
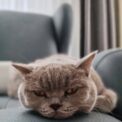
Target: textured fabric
7,102
23,115
109,66
98,25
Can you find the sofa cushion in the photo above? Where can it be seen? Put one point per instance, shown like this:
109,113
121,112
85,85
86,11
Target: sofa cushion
7,102
25,37
109,65
23,115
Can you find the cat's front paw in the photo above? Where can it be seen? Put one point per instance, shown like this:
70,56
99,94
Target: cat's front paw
102,104
107,101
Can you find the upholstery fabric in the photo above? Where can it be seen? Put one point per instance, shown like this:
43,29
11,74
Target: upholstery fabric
63,28
109,66
23,115
25,37
7,102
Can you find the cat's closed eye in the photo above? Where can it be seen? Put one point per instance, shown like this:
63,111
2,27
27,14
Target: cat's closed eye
71,91
40,93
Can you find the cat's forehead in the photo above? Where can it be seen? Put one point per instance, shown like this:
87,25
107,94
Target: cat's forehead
55,67
54,75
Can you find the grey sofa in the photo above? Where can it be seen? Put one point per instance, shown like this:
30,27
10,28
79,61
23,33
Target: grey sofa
25,37
109,65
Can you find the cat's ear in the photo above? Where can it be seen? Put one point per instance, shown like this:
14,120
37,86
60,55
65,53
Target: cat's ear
22,68
86,62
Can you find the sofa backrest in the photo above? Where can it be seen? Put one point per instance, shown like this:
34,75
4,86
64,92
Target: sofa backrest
25,37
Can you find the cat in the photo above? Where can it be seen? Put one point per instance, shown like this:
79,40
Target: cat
59,86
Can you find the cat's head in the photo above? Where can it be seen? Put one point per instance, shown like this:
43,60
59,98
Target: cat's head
58,90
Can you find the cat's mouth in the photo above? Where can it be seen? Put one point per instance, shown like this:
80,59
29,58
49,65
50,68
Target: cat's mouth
59,114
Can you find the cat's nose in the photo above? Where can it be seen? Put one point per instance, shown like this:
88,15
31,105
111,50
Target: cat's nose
55,106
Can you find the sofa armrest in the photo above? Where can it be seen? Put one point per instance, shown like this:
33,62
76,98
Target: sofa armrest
62,21
109,65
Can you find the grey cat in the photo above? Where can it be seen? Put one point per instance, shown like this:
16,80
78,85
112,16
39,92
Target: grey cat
59,86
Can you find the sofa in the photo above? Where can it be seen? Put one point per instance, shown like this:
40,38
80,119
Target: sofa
108,65
25,37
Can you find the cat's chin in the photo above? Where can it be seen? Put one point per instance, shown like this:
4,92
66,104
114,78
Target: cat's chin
58,115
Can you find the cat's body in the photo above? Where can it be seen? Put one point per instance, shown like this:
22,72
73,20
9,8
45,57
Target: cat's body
59,86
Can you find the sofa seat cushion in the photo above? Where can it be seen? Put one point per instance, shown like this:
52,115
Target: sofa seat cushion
25,37
22,115
7,102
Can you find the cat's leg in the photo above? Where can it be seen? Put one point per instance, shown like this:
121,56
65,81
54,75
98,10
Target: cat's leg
106,101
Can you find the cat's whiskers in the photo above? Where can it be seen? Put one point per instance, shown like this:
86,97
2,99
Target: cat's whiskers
69,109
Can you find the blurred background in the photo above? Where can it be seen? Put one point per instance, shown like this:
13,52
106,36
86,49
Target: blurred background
49,7
97,24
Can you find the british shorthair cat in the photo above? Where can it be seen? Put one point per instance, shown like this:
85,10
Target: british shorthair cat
59,86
